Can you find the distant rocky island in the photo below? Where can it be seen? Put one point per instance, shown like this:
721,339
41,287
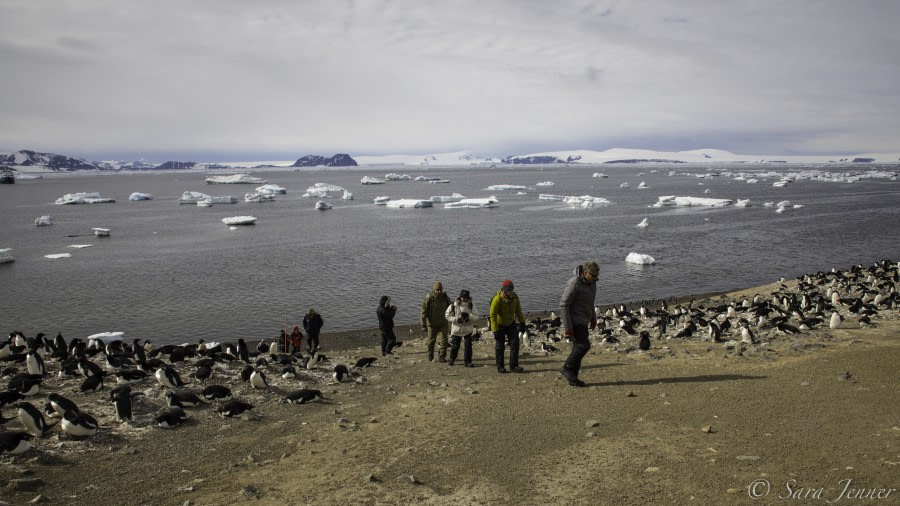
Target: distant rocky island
338,160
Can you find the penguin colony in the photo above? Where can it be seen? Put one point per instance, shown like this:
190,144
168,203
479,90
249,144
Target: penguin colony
50,381
139,385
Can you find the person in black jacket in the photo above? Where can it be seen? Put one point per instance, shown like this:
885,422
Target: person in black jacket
312,323
386,314
579,317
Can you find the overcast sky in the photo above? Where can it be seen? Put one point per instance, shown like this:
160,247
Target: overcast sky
276,80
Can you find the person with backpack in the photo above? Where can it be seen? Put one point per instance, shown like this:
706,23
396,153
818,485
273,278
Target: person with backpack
385,313
578,316
312,323
505,309
434,322
296,339
461,315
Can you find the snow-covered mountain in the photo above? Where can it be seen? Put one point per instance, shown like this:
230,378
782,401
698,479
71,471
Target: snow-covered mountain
619,155
120,165
31,161
456,158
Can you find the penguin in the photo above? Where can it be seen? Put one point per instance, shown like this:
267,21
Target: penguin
233,407
79,424
91,384
288,372
26,384
14,443
313,360
182,399
35,364
170,418
216,392
203,373
549,348
262,347
246,372
32,418
364,362
127,376
137,351
258,380
303,396
10,398
60,404
525,338
89,368
341,373
747,334
644,343
836,320
787,328
122,403
242,351
715,333
168,377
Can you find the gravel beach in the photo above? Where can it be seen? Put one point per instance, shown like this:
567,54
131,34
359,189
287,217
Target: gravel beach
689,420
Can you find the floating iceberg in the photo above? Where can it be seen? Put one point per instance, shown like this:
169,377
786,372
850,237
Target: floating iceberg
322,205
598,174
83,198
315,193
239,220
272,189
235,179
643,186
505,187
397,177
58,255
140,196
473,203
79,246
192,197
547,196
644,223
204,203
371,180
223,199
380,201
670,200
545,183
586,201
402,203
43,221
347,195
456,197
101,232
742,203
105,337
6,256
258,197
624,185
640,259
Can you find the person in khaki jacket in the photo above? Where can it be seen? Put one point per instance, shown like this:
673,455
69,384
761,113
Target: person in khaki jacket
434,322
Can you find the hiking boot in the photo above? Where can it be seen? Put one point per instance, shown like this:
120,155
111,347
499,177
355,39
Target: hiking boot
501,370
470,364
431,357
517,369
451,362
571,377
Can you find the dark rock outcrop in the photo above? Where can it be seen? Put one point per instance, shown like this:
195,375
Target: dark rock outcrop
645,160
863,160
532,160
338,160
176,165
51,161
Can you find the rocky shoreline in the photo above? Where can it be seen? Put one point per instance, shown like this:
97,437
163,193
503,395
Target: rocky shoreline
688,419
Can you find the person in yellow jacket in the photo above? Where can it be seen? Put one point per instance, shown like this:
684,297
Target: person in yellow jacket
434,321
505,309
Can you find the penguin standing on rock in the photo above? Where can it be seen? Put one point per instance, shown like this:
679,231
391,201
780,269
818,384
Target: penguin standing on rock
258,380
364,362
341,373
122,403
644,343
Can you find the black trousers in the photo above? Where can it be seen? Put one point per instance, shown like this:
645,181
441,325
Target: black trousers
388,340
579,349
511,333
467,351
312,343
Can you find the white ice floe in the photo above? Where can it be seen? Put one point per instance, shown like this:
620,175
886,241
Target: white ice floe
105,337
258,197
624,185
323,206
6,256
371,180
222,199
235,179
456,197
784,203
403,203
58,255
742,203
671,200
315,193
43,221
204,203
239,220
640,259
643,186
347,195
752,181
140,196
397,177
83,198
505,187
189,197
545,183
101,232
382,200
79,246
644,223
271,189
598,174
473,203
585,201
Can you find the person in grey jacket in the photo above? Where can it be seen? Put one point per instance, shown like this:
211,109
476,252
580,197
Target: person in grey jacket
579,316
461,315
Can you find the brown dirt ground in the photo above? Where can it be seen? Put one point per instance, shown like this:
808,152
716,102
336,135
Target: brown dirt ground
415,431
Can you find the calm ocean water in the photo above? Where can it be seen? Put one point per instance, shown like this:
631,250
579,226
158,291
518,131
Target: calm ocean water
171,272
